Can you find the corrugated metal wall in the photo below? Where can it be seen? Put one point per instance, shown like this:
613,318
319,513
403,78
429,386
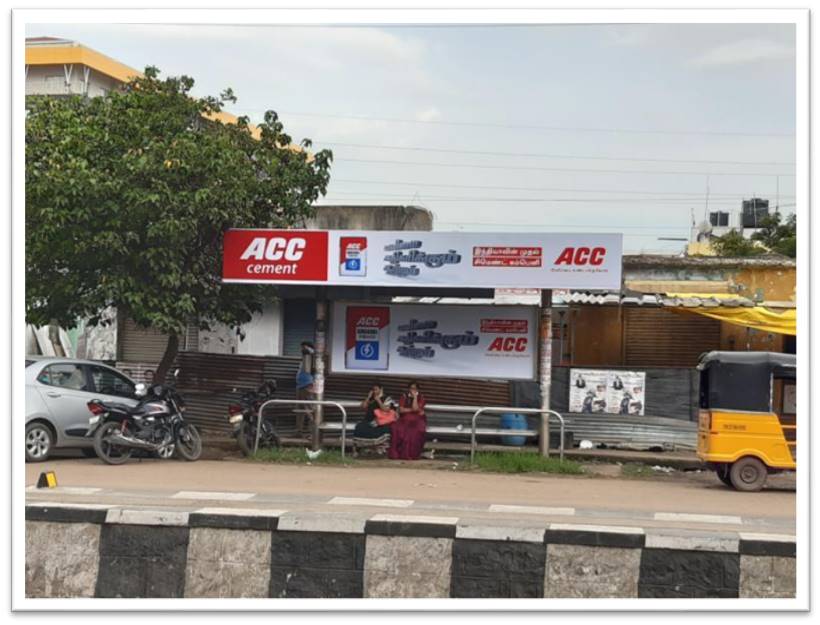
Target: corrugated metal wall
210,382
658,337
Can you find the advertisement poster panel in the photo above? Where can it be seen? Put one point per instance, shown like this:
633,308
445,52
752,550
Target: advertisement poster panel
607,392
435,340
414,259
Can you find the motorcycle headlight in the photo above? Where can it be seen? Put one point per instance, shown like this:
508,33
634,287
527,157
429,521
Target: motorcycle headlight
93,420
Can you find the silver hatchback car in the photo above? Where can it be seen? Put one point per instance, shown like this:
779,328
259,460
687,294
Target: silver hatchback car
57,393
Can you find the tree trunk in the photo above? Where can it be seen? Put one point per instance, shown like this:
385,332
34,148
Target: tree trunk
171,351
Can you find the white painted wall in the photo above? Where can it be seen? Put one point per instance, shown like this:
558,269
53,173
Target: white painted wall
263,335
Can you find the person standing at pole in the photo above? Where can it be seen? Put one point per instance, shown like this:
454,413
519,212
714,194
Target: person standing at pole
304,383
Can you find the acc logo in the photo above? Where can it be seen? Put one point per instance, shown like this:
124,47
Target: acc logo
509,344
277,248
368,321
581,256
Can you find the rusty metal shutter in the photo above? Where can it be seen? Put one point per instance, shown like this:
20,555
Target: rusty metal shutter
662,338
141,344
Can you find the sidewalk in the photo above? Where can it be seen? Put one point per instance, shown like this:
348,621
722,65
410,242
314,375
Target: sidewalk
681,460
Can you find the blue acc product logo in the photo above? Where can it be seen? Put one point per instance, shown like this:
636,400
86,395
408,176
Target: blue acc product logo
367,350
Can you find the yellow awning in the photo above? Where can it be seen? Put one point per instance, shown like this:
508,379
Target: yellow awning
757,317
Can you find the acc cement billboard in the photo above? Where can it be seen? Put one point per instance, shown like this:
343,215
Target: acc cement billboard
434,340
430,259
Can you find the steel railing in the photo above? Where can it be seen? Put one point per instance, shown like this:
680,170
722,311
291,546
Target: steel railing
301,402
476,410
538,411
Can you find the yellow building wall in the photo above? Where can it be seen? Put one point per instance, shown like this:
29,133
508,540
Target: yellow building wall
775,284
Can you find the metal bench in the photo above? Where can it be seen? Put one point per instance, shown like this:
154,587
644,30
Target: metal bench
343,427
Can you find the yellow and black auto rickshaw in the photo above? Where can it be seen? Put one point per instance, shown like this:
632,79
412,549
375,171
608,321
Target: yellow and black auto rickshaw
747,425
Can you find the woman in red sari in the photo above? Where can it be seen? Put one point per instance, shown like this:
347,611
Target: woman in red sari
408,433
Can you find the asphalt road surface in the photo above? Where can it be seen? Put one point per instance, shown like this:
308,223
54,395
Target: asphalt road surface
696,502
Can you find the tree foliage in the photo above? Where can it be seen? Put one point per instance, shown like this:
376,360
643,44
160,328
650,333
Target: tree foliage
128,196
774,235
779,236
734,245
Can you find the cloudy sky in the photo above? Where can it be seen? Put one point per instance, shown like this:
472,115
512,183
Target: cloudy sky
562,128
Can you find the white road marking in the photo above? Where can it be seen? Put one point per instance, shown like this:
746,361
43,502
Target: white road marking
73,506
363,501
322,522
612,529
690,542
64,490
401,518
775,538
489,532
257,512
146,517
532,510
195,494
698,518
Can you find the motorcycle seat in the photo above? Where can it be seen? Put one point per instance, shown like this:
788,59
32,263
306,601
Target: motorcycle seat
134,411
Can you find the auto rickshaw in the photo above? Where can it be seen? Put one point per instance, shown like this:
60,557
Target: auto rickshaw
747,423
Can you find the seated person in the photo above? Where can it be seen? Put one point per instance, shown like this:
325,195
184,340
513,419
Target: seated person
408,433
368,432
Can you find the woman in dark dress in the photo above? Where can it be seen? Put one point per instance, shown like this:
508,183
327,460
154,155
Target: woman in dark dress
408,433
367,429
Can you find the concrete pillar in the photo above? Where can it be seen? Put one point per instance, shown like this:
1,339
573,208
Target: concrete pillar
319,377
545,368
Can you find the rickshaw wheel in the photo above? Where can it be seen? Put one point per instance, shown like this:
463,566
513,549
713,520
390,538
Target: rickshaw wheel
748,474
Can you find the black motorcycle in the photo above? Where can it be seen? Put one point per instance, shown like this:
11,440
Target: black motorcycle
244,419
154,425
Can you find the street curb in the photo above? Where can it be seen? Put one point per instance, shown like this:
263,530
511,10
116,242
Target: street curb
211,550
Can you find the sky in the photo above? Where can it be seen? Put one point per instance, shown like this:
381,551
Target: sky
556,128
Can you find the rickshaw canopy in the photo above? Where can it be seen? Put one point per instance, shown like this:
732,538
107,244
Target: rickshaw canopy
742,380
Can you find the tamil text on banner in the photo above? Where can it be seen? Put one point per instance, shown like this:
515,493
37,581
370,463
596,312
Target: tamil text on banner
435,340
413,259
607,392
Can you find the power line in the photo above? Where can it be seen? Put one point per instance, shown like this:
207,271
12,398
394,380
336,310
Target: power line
543,225
560,169
543,155
450,198
436,122
698,194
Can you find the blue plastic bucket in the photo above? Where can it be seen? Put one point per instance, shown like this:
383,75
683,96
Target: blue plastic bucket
512,421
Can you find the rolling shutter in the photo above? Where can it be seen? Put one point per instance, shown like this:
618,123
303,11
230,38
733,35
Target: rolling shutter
300,322
141,344
654,337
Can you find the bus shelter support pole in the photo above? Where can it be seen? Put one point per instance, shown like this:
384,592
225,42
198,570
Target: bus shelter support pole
545,370
319,378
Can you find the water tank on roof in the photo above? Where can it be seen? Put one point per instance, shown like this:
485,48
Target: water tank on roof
754,211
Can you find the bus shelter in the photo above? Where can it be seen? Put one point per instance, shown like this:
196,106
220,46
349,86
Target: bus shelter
353,277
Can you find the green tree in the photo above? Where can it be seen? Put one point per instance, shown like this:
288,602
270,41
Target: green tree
734,245
128,197
779,236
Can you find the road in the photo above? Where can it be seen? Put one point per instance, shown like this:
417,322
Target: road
699,502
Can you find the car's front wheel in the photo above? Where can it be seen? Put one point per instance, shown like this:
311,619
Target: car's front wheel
39,442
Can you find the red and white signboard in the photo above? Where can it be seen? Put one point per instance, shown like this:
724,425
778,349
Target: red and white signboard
435,340
432,259
263,256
